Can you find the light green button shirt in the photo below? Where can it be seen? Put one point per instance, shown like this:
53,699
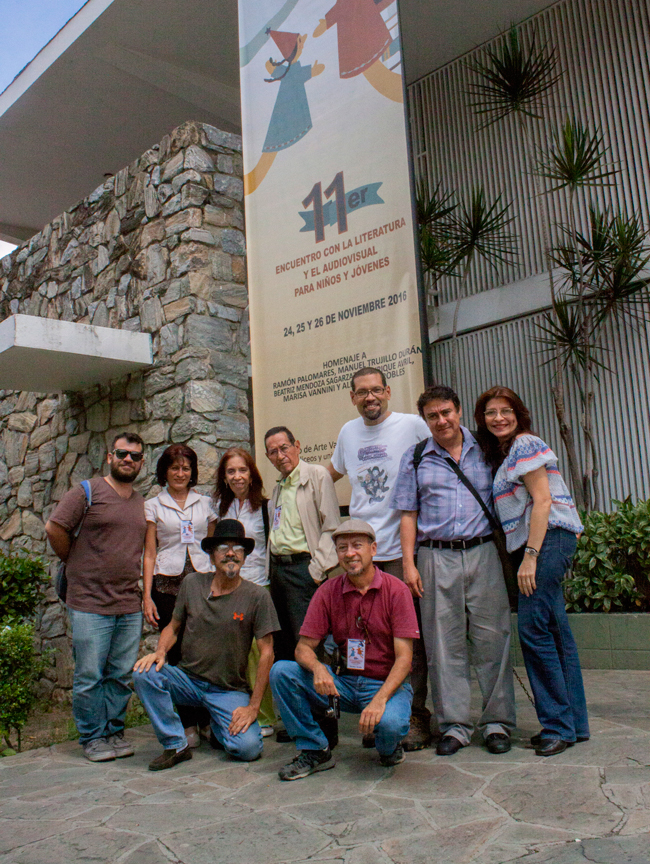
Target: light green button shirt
289,537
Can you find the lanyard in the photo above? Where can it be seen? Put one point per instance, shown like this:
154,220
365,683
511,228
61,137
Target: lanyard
364,632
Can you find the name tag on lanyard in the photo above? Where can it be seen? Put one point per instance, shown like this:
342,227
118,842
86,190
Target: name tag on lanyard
187,531
356,655
277,514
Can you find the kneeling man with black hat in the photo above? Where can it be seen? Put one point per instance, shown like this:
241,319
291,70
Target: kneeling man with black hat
221,614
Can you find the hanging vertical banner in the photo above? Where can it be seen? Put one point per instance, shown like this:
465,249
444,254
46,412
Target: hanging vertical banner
329,226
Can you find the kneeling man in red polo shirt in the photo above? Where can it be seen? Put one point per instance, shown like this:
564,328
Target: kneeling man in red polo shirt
371,616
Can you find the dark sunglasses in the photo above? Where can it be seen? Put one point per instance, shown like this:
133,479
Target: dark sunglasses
122,454
363,626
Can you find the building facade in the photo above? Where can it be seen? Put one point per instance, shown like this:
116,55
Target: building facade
602,52
159,248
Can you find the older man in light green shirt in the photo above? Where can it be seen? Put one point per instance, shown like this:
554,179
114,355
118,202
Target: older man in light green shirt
289,537
303,512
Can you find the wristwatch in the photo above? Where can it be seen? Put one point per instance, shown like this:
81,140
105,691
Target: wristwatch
529,550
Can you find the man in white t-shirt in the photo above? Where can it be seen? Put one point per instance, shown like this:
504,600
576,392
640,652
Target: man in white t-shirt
369,450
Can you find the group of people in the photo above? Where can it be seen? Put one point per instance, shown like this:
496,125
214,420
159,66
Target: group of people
270,607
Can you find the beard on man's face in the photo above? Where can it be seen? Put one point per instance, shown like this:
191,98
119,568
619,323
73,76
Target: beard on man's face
124,473
230,567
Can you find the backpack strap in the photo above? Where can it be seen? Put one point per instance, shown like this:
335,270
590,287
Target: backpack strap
455,467
265,519
88,492
417,453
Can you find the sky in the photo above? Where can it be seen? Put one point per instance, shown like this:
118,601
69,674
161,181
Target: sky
25,27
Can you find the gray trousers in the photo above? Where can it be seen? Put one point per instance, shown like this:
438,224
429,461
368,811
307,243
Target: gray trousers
466,619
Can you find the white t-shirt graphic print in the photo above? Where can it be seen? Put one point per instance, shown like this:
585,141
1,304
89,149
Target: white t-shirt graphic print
370,456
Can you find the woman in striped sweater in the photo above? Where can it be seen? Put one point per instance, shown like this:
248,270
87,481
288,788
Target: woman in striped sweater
541,525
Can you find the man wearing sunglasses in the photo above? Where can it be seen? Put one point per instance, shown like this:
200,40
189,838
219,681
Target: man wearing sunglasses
102,544
371,616
221,614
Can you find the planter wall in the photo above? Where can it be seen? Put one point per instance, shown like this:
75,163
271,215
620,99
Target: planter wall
614,641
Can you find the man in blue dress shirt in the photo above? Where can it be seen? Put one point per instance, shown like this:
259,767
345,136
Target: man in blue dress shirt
457,576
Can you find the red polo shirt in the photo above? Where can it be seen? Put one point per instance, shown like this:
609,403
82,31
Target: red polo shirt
386,609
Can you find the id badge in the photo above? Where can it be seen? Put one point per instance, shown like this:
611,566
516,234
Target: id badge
356,654
187,531
277,513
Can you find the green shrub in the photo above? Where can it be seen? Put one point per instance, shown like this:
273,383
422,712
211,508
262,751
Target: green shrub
611,568
22,581
20,669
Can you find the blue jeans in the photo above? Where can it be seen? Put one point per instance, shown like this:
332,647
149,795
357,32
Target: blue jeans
159,691
548,646
104,648
293,689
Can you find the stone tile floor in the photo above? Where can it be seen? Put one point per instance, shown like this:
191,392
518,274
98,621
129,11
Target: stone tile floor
591,803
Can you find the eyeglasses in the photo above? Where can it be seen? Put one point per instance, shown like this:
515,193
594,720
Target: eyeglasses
284,449
122,454
494,412
363,626
226,547
374,391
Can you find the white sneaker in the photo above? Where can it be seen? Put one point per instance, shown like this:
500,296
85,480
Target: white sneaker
99,750
121,746
267,731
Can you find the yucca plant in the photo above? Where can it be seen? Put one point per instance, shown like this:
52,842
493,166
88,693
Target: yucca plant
602,268
453,234
478,229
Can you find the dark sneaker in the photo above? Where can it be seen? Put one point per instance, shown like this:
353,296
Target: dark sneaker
368,740
307,762
99,750
419,734
169,758
121,746
393,758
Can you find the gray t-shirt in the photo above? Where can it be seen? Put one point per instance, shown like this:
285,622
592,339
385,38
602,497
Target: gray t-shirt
219,631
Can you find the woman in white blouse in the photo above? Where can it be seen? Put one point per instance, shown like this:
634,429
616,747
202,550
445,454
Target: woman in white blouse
239,494
177,520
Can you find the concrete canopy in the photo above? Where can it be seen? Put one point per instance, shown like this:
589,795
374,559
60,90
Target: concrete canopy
123,73
43,355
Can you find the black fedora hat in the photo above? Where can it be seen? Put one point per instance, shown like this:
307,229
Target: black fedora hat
228,529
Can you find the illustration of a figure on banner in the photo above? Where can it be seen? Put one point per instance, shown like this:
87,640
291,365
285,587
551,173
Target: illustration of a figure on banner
364,42
291,119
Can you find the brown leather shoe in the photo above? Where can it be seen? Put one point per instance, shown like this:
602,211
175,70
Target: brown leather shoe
169,758
419,735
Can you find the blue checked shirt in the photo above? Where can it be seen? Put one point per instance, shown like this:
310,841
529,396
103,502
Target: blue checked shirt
447,510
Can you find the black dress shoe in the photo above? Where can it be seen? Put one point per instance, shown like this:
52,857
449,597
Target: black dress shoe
497,742
448,745
536,740
551,747
283,737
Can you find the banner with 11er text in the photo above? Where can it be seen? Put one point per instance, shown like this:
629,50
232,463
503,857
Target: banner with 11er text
329,228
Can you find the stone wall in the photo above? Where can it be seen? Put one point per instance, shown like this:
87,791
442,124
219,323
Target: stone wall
157,248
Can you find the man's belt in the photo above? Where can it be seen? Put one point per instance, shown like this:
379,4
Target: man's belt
457,544
291,558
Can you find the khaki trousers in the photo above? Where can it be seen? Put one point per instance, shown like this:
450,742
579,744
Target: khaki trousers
466,619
